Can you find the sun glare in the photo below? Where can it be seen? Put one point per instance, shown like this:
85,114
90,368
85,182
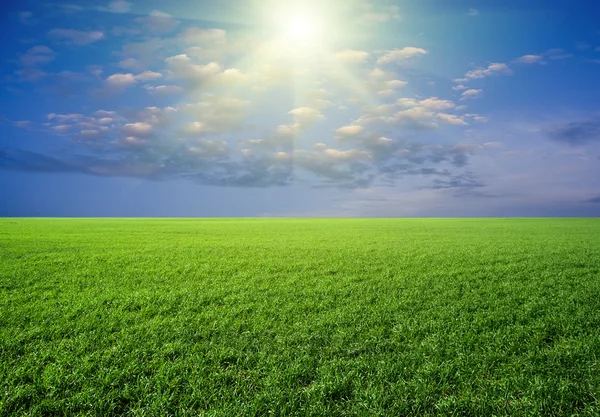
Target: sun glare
301,28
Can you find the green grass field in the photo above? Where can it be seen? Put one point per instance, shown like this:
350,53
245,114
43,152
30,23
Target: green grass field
319,317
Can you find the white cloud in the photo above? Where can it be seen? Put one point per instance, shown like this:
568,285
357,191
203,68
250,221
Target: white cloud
148,76
104,113
287,131
306,116
183,67
350,130
383,82
233,76
199,36
321,104
452,119
120,81
492,145
158,22
386,93
473,12
459,87
210,148
164,90
530,59
418,117
137,129
130,64
63,118
75,37
352,56
347,156
496,68
218,112
195,128
470,93
61,128
431,103
434,103
398,55
477,117
380,16
407,102
90,134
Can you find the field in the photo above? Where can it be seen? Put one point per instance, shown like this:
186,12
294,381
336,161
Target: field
315,317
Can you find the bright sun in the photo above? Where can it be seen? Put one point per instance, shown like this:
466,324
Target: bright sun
301,28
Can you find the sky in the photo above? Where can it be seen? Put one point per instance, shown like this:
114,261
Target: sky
269,108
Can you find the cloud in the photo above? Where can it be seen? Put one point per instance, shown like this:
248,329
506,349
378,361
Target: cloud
118,6
557,54
352,56
418,118
460,87
413,114
383,82
380,16
218,112
164,90
398,55
75,37
27,18
306,116
471,93
496,68
434,103
120,81
29,62
464,184
473,12
137,129
530,59
148,76
183,67
492,145
576,133
158,23
197,36
38,55
350,130
452,119
594,200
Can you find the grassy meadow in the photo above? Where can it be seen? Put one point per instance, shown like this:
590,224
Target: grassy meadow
300,317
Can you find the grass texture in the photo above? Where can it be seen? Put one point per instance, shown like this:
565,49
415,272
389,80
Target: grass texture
300,317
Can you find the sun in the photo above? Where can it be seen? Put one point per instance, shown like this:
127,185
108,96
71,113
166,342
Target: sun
301,28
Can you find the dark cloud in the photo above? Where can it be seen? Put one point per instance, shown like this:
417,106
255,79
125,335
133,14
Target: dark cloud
463,184
576,133
594,200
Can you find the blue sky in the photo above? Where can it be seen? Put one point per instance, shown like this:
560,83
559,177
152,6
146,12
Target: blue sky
300,108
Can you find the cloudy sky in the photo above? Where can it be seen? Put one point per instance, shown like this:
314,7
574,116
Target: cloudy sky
300,108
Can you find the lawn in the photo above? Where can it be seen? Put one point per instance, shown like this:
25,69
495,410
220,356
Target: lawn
306,317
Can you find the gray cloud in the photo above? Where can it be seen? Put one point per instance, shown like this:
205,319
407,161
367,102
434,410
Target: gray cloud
594,200
576,133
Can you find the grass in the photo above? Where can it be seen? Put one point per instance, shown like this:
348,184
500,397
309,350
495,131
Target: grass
343,317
